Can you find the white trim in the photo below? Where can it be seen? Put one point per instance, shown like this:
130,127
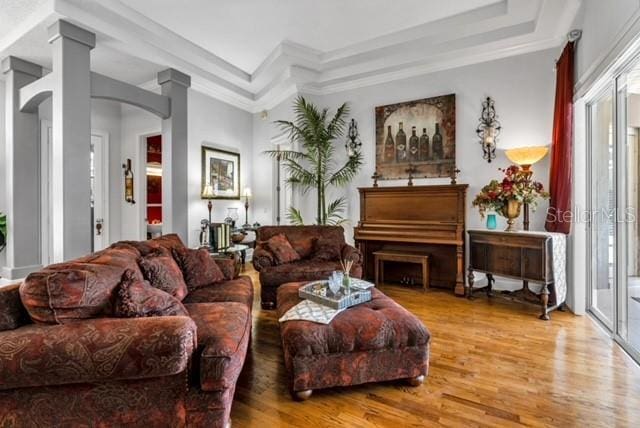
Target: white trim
489,32
106,197
45,191
13,274
626,44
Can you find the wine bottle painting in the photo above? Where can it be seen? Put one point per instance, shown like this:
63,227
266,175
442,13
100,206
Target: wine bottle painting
420,133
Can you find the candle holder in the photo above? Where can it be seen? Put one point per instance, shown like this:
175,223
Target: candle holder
488,130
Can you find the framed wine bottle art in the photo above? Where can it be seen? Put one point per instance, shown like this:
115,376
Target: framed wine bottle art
420,133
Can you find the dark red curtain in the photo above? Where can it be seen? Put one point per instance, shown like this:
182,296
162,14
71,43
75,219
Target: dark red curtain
560,175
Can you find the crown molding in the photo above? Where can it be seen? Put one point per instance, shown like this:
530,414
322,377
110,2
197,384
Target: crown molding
494,31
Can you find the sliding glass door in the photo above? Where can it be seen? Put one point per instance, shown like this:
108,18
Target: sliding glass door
614,129
603,234
628,112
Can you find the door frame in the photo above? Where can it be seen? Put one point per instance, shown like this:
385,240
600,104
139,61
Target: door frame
140,185
45,187
106,225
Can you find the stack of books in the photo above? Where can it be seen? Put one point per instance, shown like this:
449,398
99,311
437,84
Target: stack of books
220,236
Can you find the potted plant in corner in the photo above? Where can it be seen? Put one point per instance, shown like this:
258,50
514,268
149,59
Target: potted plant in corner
507,196
314,167
3,230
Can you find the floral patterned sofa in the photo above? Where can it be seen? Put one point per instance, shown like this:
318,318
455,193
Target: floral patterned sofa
81,342
317,251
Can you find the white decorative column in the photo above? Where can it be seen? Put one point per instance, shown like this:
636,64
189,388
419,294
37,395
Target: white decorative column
71,219
22,173
175,85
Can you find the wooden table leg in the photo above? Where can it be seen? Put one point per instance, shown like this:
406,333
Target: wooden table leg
469,288
544,298
425,275
490,282
376,268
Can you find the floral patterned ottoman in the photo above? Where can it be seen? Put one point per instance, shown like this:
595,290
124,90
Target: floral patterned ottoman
371,342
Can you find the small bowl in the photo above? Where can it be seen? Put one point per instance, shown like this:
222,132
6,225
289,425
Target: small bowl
237,238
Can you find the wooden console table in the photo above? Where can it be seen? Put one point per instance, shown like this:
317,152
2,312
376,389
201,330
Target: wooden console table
526,256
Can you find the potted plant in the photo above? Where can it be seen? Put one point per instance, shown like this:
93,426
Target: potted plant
507,196
314,167
3,230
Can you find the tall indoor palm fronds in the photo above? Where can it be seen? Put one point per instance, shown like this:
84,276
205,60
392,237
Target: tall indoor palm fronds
313,168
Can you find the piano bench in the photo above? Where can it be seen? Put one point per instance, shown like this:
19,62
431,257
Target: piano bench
403,257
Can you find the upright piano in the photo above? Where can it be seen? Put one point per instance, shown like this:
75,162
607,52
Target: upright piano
429,219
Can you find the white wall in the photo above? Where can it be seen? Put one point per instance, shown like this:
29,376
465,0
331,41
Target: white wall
263,183
602,23
106,117
216,124
211,122
523,88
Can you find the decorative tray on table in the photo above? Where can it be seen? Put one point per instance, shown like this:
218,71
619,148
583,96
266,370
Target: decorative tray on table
319,292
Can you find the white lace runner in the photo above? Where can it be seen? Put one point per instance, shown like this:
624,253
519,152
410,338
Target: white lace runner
308,310
559,262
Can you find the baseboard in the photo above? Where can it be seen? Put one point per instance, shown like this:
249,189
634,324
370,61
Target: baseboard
16,273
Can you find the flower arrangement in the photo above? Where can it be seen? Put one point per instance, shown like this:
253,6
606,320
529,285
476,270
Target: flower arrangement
516,185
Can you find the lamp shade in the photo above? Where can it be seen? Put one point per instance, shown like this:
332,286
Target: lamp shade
208,192
527,155
246,193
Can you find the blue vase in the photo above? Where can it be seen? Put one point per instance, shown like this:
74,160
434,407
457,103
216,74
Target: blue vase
491,222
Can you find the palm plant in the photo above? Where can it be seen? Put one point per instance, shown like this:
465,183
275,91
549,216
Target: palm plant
3,230
313,168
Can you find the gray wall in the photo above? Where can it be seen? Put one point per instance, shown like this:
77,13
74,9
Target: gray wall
3,189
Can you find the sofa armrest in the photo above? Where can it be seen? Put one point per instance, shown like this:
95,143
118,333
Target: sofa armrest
95,350
262,258
349,252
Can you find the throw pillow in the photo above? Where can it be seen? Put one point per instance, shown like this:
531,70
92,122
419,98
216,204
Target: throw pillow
12,313
303,246
282,249
163,273
136,298
198,267
327,250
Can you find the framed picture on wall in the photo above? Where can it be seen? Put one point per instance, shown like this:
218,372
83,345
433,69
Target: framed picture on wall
221,169
420,133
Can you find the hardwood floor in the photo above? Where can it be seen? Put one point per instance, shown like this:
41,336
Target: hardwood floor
492,363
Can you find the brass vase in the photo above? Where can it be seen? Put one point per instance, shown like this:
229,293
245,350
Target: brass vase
511,211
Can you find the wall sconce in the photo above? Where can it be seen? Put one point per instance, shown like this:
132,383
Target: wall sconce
128,182
353,143
488,130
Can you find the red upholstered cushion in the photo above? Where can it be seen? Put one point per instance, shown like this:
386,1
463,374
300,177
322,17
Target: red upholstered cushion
78,289
137,298
198,267
327,249
168,242
12,313
224,331
236,290
163,273
281,248
304,246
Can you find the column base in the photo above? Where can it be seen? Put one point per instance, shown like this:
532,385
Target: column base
18,272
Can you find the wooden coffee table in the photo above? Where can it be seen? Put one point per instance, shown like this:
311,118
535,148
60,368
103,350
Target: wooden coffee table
403,257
